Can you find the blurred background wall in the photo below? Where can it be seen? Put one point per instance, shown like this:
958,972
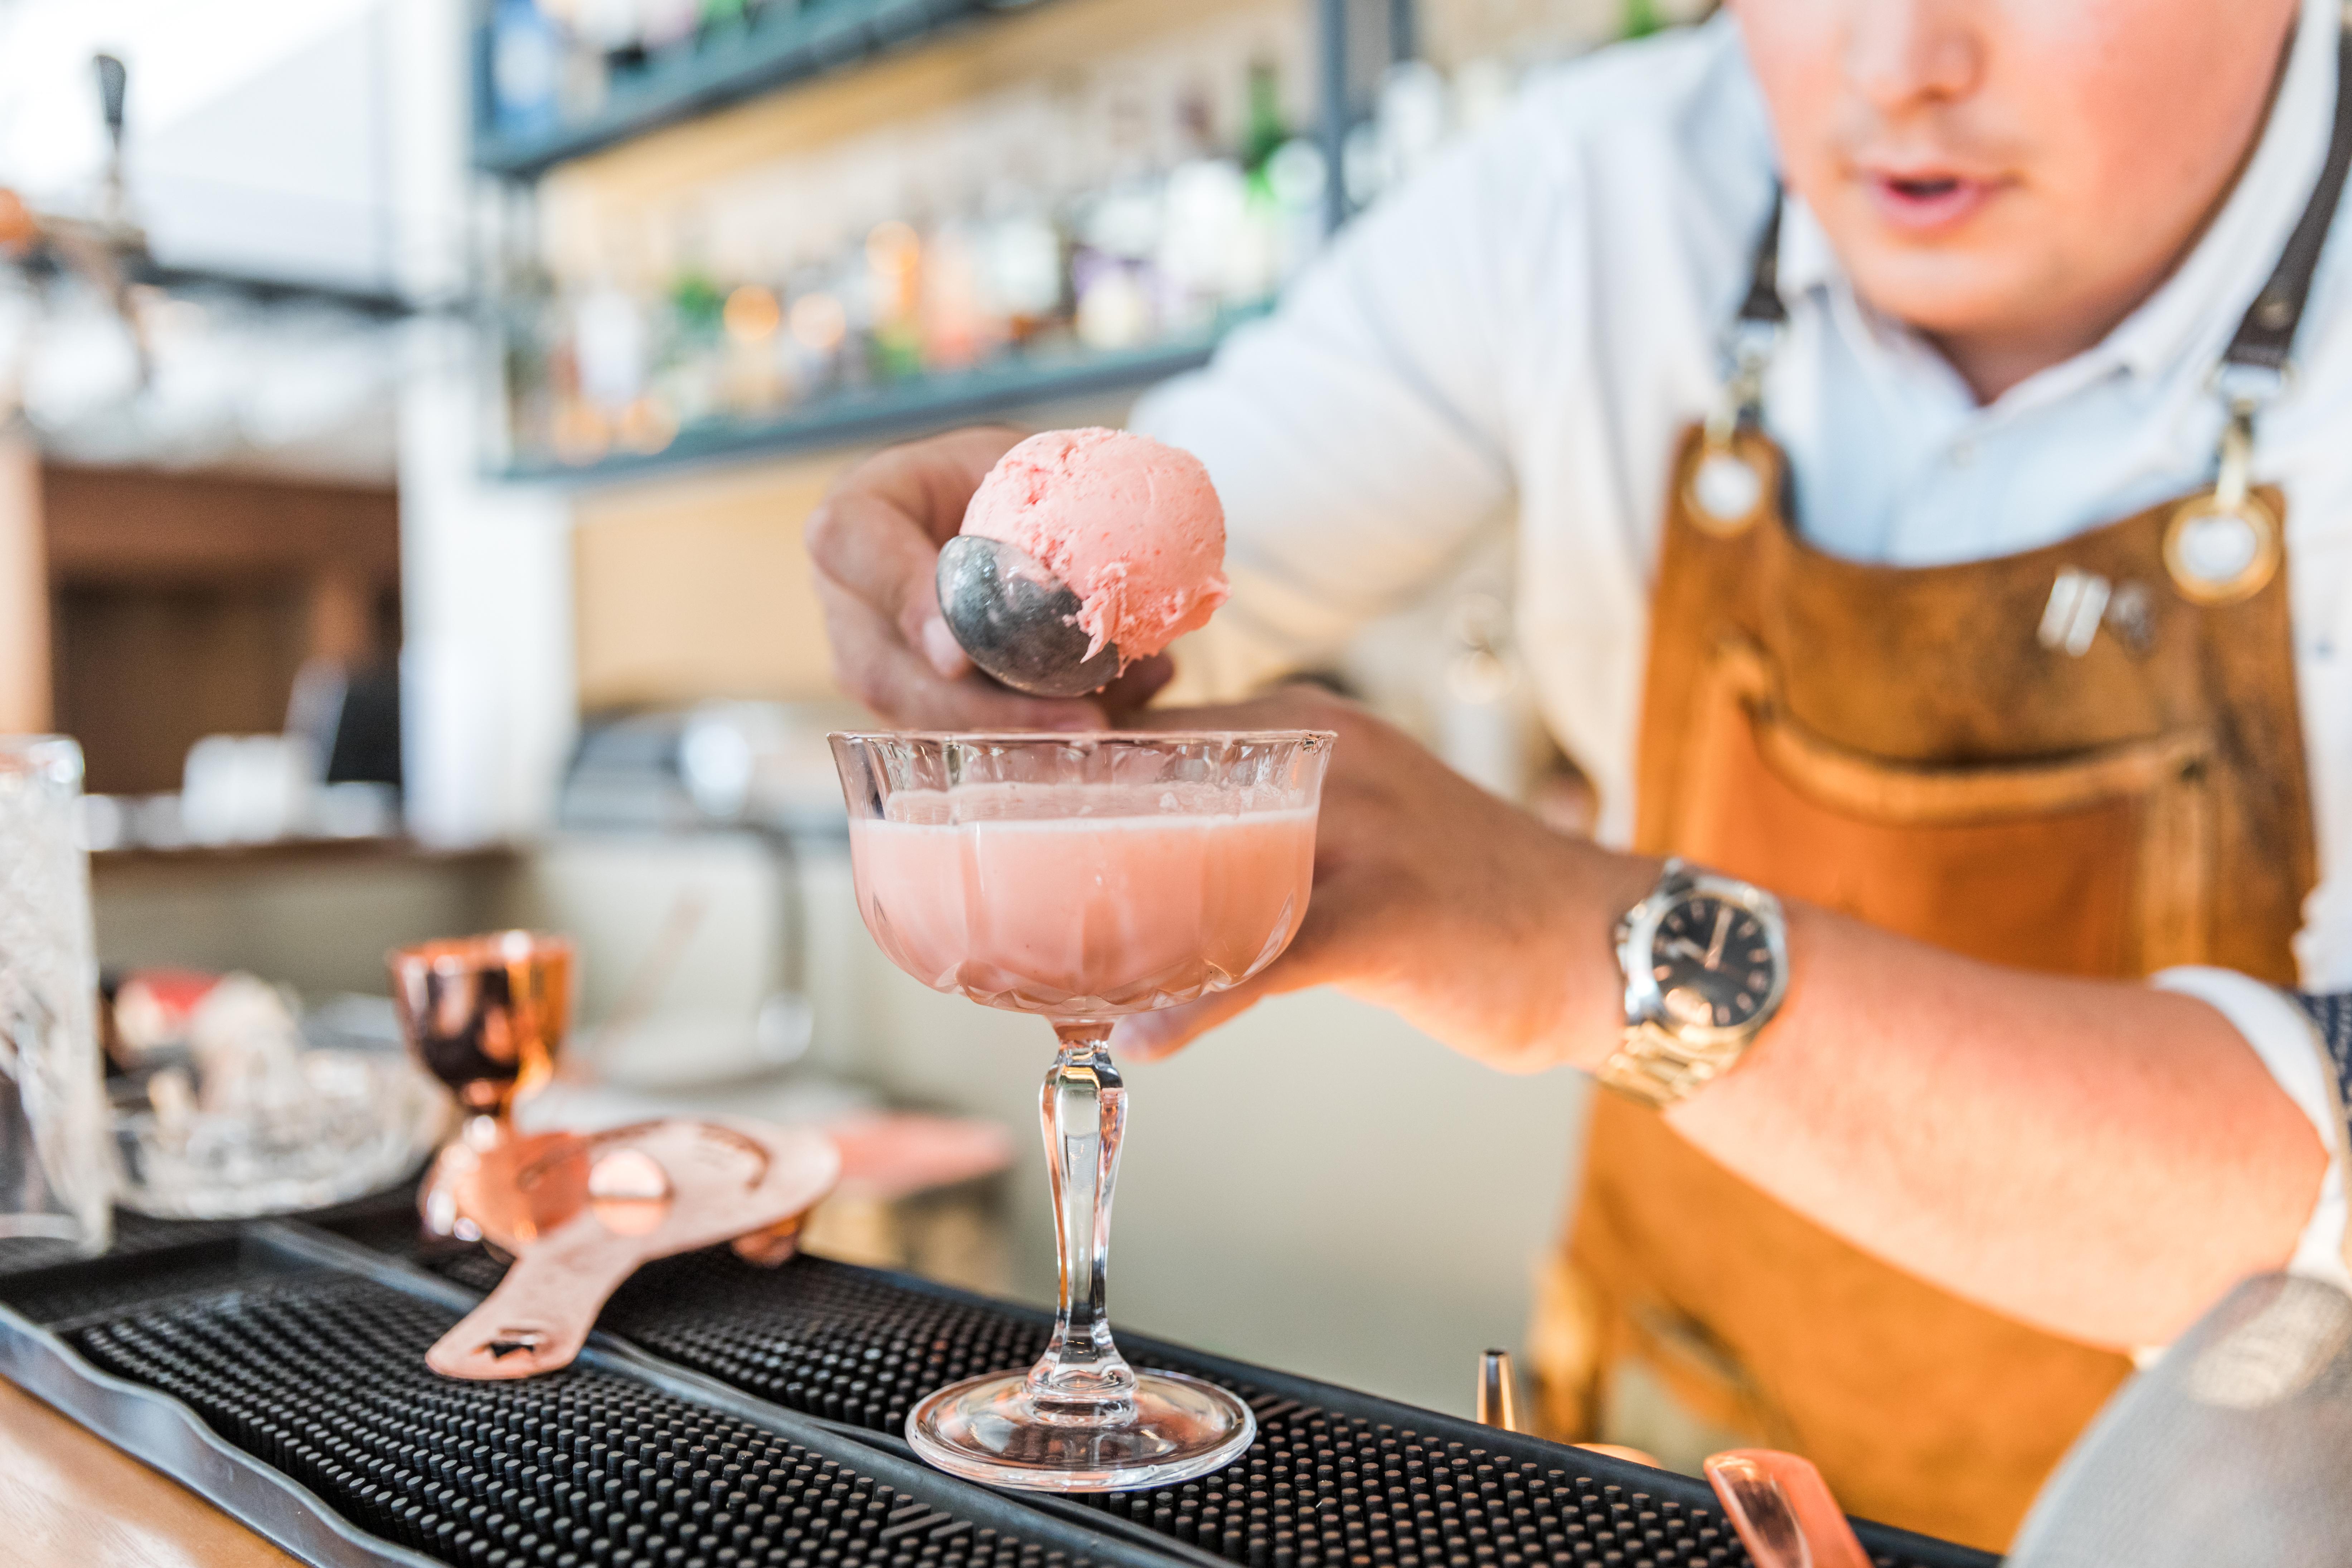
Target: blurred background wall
406,425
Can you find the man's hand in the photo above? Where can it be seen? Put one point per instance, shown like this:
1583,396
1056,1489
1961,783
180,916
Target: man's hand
876,542
1435,899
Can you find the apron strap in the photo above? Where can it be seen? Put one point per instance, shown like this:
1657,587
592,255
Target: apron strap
2266,336
1754,333
1763,306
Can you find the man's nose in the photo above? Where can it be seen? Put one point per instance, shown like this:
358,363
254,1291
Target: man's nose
1902,52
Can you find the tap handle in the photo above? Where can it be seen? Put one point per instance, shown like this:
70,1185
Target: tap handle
1499,1395
113,79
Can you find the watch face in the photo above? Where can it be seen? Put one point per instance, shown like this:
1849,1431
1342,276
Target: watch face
1713,964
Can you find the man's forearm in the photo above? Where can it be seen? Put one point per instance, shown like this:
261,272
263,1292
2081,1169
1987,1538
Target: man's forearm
2098,1158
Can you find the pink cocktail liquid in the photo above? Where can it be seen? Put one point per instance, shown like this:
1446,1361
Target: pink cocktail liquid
1078,900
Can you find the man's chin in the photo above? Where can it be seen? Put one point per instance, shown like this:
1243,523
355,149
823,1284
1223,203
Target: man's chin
1946,288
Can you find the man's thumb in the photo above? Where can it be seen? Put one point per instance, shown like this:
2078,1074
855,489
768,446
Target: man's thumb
1151,1037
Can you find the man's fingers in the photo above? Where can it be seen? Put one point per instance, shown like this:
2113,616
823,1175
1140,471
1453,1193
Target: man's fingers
875,551
1160,1033
1138,684
878,533
941,473
873,666
1299,706
1311,959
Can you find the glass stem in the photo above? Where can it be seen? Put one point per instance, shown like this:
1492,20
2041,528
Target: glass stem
1084,1113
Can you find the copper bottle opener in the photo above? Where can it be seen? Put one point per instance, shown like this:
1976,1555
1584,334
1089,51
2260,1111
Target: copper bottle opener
1783,1510
581,1212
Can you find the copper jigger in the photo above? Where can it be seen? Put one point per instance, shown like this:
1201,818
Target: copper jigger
485,1015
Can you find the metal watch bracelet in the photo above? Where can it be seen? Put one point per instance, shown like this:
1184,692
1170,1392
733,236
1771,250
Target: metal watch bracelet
1654,1067
1660,1060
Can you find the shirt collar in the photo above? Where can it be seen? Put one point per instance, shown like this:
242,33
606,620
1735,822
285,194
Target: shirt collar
2200,303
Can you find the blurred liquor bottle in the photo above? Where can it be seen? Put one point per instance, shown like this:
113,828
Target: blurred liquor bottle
1265,135
1640,18
526,67
666,27
1114,274
894,259
1105,207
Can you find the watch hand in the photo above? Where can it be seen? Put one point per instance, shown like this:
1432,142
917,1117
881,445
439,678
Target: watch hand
1715,944
1685,946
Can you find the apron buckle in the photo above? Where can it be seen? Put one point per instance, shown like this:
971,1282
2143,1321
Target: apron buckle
1728,482
2218,551
1748,350
2225,545
1727,485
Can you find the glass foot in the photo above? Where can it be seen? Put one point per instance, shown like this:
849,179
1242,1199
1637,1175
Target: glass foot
991,1429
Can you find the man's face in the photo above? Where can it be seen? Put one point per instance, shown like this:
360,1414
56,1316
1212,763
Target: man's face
2014,167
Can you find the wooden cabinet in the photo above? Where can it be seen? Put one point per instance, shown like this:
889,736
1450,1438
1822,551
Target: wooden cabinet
182,605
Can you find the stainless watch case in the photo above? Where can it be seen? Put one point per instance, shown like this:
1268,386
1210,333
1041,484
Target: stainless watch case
1637,934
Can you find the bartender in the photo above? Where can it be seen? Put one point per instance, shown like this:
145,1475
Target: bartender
1926,425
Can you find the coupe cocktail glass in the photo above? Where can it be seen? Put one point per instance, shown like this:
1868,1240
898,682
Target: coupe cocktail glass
1081,878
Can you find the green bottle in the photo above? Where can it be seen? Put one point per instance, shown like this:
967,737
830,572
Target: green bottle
1265,134
699,304
1640,20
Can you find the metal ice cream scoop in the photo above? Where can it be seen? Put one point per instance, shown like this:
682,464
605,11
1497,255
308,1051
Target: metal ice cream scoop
1018,621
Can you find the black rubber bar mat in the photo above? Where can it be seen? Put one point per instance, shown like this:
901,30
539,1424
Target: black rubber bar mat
1335,1478
287,1357
137,1235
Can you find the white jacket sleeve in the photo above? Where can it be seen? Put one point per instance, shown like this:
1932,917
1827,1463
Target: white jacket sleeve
2285,1032
1359,437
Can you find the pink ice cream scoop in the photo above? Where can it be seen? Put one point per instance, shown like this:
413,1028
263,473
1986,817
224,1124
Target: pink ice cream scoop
1103,547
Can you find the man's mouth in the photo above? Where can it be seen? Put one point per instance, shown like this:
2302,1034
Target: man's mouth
1926,200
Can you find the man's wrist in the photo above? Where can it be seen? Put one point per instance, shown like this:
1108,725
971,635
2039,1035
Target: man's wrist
1603,885
1704,959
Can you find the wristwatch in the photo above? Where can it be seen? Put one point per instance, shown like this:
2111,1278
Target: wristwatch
1706,960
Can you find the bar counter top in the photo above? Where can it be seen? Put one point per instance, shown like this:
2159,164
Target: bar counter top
72,1499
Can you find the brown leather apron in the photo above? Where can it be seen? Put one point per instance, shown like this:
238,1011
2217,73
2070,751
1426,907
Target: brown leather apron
2085,759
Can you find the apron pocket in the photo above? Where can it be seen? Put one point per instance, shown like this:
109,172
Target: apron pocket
2091,863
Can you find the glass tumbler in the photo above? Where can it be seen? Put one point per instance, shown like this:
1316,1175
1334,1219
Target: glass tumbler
57,1174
